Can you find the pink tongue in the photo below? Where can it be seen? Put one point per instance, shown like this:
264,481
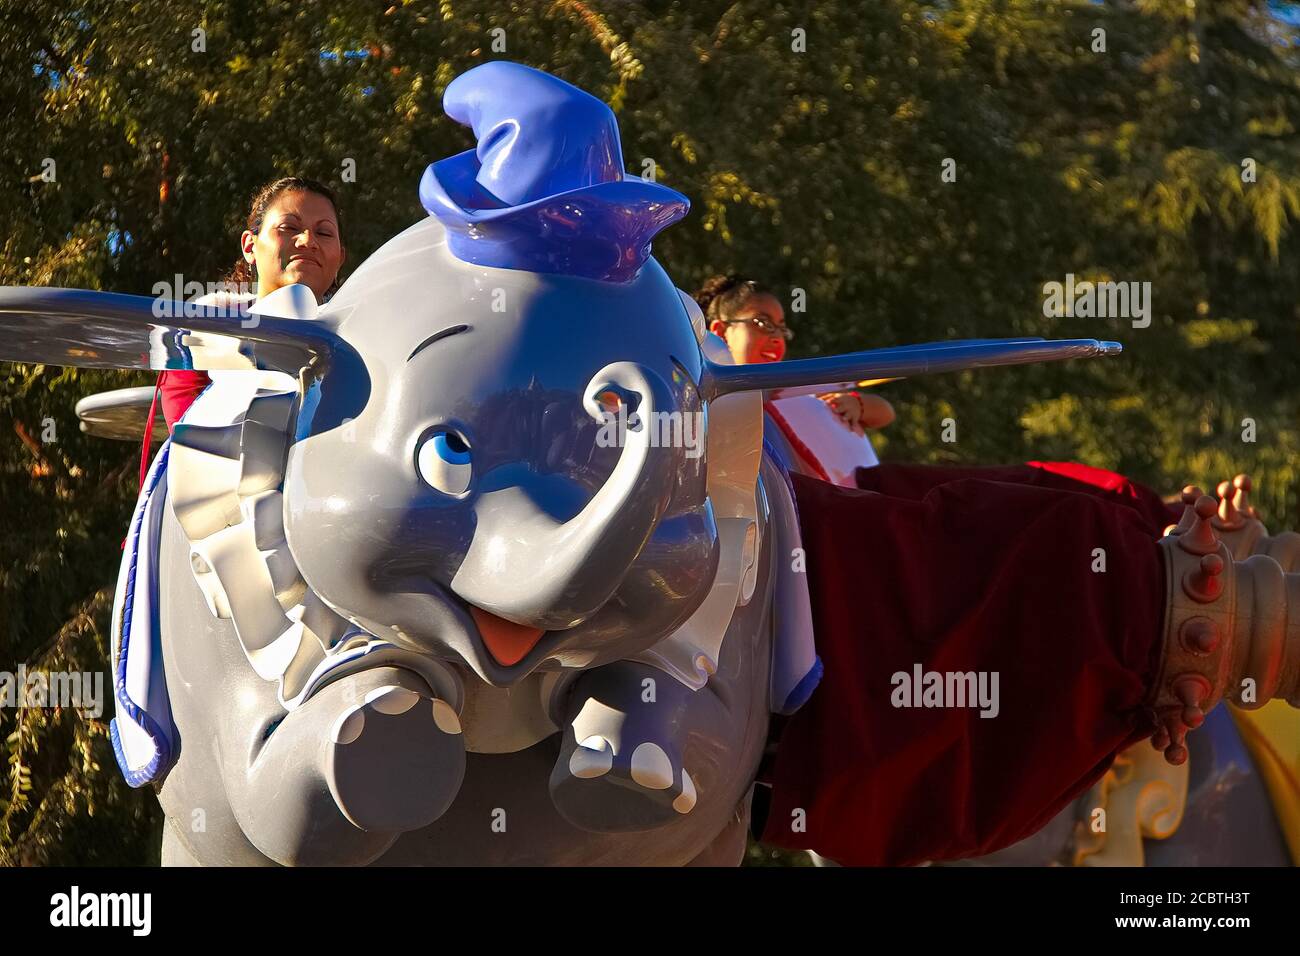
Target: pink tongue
507,642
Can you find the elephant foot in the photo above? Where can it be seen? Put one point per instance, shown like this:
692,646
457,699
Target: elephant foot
610,785
395,759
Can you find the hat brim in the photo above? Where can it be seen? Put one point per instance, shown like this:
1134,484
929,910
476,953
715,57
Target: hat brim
602,231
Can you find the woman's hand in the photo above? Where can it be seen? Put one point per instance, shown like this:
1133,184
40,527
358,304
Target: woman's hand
860,412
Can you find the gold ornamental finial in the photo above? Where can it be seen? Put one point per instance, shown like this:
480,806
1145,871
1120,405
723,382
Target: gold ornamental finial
1197,536
1228,518
1241,499
1235,509
1190,494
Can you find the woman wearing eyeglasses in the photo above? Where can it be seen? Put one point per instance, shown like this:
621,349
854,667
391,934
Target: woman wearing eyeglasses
750,319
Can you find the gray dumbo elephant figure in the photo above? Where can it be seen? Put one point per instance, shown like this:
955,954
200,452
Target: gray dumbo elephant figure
486,559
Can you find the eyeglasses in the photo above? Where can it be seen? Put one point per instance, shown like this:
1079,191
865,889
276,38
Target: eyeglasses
765,324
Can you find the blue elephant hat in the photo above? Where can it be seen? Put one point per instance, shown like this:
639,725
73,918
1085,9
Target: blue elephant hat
545,189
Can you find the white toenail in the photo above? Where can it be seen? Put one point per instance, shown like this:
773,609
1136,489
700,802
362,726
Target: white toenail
349,725
392,699
686,799
591,758
445,717
651,767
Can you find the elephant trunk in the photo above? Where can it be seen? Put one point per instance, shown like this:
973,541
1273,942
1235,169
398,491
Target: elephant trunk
528,568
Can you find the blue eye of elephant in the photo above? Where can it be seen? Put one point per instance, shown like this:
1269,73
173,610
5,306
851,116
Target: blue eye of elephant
443,460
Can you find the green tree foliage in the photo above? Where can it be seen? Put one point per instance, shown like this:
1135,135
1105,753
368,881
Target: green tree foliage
811,138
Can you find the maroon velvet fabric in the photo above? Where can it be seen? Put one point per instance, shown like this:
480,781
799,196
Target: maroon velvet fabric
913,481
971,575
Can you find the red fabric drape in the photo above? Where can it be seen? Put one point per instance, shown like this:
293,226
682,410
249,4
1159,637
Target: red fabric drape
179,389
148,437
969,575
913,481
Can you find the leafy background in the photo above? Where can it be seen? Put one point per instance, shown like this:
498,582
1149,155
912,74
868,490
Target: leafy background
816,170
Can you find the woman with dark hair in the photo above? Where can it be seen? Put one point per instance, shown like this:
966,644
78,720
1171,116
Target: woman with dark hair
750,319
292,235
746,316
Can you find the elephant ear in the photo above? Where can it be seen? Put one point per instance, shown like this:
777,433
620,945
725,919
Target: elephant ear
841,372
110,330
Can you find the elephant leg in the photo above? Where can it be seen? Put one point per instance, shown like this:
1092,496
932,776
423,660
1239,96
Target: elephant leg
625,763
370,756
729,846
174,850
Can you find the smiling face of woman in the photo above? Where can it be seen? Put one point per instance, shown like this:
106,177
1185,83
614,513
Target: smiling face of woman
749,343
298,242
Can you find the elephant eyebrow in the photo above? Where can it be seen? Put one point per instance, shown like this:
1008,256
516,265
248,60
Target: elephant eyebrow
445,333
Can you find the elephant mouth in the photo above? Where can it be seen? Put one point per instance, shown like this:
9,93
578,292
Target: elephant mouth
434,620
507,642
